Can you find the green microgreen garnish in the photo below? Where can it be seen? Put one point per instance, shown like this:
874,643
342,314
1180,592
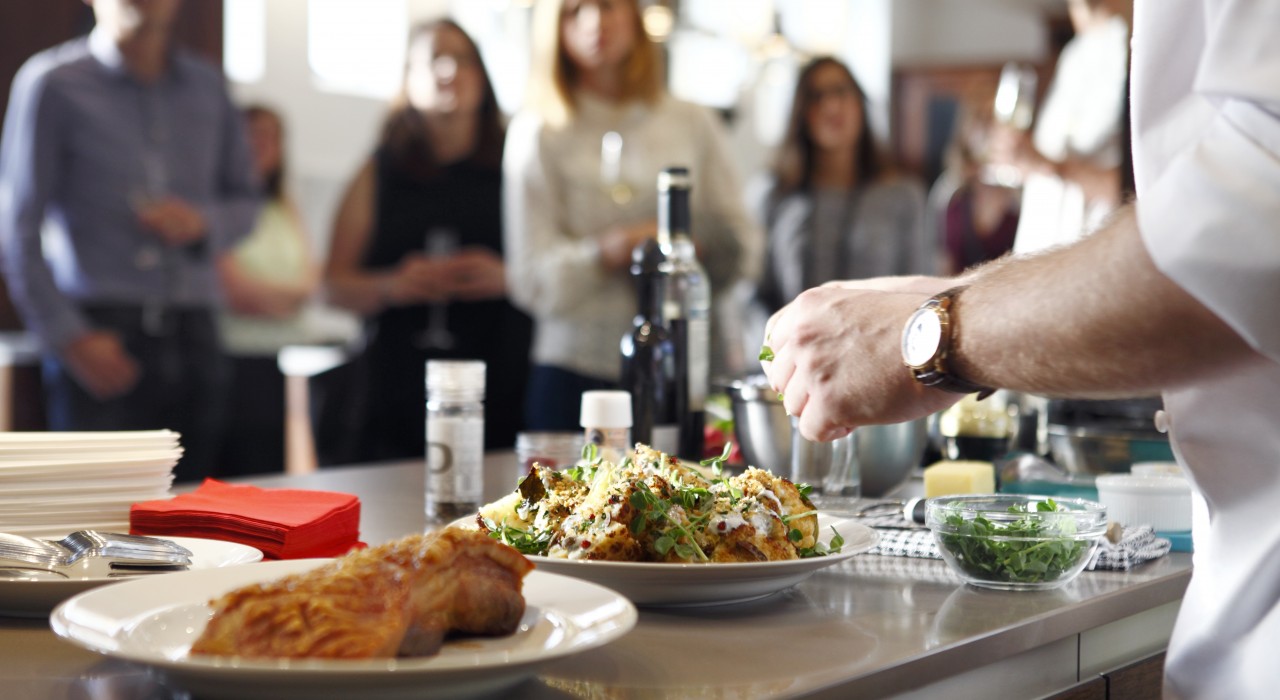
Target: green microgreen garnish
670,533
1024,550
717,463
523,541
821,550
766,353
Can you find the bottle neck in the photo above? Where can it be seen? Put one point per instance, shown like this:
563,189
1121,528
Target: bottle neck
649,297
673,216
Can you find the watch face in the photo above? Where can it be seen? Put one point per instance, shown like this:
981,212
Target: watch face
921,337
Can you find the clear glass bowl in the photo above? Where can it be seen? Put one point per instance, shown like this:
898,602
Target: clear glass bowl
1005,541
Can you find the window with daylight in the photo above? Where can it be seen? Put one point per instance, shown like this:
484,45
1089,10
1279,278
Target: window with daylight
357,46
244,40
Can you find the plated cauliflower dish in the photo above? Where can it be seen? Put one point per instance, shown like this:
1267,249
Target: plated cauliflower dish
652,508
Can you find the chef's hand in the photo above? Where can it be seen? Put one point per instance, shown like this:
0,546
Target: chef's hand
917,284
175,221
101,364
477,274
837,360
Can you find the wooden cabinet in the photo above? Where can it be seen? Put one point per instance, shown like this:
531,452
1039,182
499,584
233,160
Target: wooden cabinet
1092,689
1140,680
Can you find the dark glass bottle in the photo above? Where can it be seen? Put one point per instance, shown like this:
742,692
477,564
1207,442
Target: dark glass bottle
649,354
687,310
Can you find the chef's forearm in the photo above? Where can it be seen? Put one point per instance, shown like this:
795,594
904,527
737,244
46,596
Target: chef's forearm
1096,319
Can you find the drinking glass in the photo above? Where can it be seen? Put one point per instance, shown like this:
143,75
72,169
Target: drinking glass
438,242
155,254
830,469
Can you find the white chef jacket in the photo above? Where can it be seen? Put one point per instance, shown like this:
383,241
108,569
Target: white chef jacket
1206,124
1080,119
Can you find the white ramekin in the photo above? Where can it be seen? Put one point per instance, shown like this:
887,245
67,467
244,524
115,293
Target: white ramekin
1156,469
1163,502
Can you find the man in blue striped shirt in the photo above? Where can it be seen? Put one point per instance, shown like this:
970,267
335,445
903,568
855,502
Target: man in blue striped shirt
124,174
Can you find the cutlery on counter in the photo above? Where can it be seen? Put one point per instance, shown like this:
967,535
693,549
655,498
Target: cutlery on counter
90,554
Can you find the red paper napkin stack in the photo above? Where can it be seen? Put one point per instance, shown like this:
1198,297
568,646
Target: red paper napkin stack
283,523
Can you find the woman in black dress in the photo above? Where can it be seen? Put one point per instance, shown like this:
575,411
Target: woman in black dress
417,250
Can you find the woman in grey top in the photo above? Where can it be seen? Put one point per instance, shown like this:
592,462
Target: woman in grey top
835,209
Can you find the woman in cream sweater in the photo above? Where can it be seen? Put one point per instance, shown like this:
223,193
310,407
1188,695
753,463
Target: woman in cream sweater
580,174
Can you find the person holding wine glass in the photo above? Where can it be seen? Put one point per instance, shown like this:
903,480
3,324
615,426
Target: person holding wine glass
1071,162
581,170
417,249
124,174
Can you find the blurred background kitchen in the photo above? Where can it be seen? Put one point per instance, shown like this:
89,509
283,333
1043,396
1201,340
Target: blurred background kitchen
928,73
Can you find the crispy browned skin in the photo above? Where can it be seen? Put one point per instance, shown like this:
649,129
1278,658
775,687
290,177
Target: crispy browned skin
398,599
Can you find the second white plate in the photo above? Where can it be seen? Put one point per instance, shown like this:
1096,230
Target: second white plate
35,598
676,585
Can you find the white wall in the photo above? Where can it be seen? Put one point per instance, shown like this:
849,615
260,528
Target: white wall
969,31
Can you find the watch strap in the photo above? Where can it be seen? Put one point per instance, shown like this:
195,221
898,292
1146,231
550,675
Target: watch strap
949,382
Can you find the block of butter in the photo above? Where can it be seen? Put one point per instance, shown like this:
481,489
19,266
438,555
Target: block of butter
959,477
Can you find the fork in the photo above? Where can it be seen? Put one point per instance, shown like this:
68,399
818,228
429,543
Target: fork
88,553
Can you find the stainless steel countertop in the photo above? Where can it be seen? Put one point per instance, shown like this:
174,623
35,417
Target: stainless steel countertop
873,625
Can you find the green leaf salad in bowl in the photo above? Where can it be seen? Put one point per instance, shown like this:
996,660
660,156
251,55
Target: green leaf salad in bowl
1016,541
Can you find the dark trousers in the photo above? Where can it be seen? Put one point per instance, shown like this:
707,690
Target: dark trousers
554,399
253,442
182,387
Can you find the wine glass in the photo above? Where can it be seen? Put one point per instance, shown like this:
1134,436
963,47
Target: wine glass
611,169
153,187
438,242
1015,96
1014,109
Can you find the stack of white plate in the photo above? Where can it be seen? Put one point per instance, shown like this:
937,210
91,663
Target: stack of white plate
53,483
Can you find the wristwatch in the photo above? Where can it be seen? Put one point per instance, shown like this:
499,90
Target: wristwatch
927,341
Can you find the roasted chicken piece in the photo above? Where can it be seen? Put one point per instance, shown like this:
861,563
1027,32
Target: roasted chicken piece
398,599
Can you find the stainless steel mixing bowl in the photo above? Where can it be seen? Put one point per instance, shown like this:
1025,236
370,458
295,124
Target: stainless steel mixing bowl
886,453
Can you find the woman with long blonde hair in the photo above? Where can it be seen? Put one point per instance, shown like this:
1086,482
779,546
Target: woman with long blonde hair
581,167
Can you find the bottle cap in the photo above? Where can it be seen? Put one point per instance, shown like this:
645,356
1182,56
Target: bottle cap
606,409
455,380
674,177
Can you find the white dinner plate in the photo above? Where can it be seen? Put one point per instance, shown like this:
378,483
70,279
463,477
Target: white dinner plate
12,491
89,437
103,462
155,622
20,478
53,530
158,491
678,585
25,598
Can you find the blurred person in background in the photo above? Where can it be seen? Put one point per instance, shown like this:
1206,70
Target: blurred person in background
581,171
129,154
835,208
979,220
417,249
267,280
1071,164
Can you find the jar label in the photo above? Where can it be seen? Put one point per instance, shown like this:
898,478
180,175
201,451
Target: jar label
455,459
